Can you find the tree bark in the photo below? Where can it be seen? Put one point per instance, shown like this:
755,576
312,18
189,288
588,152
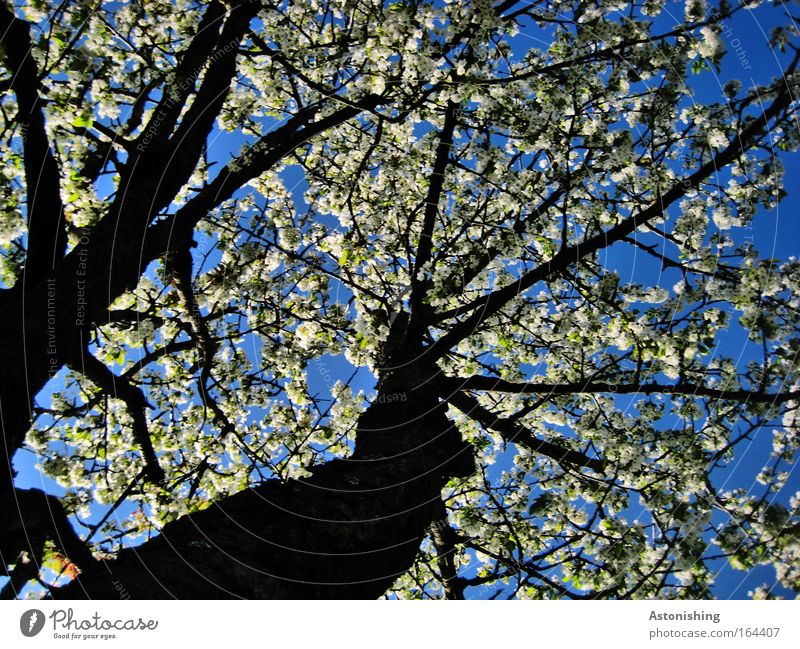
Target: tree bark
346,532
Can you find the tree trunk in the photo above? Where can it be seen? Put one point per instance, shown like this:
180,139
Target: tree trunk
346,532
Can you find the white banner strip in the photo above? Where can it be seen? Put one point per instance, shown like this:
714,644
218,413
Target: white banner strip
145,624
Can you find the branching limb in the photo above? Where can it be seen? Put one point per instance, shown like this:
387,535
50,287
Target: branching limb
135,402
512,432
47,235
31,517
434,194
179,265
490,384
489,304
444,539
175,232
176,93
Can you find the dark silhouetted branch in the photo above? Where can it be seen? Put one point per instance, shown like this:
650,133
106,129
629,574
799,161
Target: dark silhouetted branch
121,388
512,432
47,234
490,384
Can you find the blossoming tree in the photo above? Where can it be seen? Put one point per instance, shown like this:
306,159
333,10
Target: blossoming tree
219,218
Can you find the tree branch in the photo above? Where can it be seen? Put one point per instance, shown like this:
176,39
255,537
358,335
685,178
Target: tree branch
490,384
473,270
175,231
213,91
179,265
512,432
175,94
435,186
489,304
47,234
606,54
31,517
118,387
443,538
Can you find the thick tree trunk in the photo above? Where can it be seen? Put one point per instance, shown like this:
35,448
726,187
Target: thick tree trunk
46,322
47,318
346,532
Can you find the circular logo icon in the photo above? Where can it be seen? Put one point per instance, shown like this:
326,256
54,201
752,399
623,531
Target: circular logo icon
31,622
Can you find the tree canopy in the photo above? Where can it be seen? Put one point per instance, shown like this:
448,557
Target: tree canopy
352,298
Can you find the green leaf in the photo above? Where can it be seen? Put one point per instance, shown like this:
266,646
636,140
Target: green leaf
82,121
